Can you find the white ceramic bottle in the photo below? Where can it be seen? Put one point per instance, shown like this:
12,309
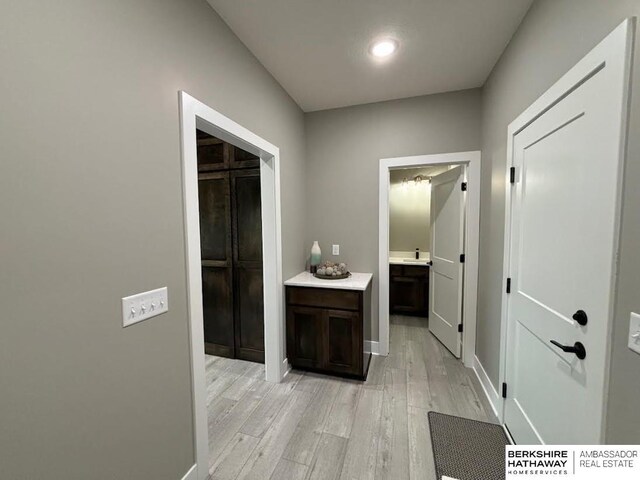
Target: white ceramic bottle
316,254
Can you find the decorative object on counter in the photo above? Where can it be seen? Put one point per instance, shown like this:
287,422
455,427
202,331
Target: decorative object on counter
332,271
417,254
316,254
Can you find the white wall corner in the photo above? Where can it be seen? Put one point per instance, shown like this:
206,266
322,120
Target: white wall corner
373,347
192,474
489,390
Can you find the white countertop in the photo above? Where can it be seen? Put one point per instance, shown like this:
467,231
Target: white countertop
357,281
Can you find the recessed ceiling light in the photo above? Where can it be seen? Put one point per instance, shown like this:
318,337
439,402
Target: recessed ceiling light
384,48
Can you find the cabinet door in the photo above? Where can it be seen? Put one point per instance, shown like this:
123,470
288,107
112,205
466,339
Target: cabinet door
217,272
247,264
342,341
406,294
305,336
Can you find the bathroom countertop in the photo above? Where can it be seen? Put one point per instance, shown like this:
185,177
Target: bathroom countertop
357,281
424,261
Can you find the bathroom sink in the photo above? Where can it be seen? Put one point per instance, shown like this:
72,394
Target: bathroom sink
414,260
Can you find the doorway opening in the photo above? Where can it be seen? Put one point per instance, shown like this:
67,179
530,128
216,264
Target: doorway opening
426,235
194,116
428,247
231,250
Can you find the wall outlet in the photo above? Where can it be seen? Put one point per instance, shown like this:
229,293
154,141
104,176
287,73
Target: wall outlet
634,332
335,250
143,306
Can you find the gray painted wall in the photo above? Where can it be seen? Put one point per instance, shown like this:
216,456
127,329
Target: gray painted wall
91,209
344,147
555,35
409,211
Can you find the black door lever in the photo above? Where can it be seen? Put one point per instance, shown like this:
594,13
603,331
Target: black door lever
577,348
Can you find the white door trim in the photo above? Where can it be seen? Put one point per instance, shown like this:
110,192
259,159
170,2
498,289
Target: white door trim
194,113
472,159
617,46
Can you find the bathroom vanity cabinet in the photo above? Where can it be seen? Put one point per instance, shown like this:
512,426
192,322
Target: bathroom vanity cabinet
409,290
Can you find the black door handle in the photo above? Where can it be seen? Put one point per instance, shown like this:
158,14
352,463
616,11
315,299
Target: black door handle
577,348
581,317
430,263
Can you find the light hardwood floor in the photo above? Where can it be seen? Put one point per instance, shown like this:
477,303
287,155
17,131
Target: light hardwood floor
316,427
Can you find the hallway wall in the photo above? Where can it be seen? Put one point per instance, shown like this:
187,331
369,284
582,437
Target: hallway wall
91,209
344,148
554,35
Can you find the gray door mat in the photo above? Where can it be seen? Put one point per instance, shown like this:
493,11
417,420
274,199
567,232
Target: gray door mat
467,449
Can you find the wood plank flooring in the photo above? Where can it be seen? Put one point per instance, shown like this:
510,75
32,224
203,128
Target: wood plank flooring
317,427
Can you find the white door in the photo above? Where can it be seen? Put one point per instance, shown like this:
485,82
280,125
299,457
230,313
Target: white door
447,246
566,152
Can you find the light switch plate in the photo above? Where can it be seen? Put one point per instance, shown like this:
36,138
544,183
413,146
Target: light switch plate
336,250
143,306
634,330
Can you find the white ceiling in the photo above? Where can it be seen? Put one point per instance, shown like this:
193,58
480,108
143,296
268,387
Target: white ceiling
318,49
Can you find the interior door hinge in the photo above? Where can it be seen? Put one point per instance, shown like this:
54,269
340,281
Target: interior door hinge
463,187
460,328
512,175
462,258
504,390
508,285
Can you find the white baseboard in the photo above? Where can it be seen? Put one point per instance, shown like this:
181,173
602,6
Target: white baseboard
373,347
192,474
490,392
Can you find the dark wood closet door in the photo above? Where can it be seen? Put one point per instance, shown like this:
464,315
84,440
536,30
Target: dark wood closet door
247,264
217,263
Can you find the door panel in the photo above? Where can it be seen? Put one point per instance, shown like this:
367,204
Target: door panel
242,159
343,354
563,223
213,153
250,312
247,216
247,261
216,253
447,244
305,336
215,216
217,300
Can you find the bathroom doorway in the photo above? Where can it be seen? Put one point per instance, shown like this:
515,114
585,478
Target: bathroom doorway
428,247
427,211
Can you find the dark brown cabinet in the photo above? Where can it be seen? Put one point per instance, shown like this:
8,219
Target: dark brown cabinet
326,330
409,290
231,250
